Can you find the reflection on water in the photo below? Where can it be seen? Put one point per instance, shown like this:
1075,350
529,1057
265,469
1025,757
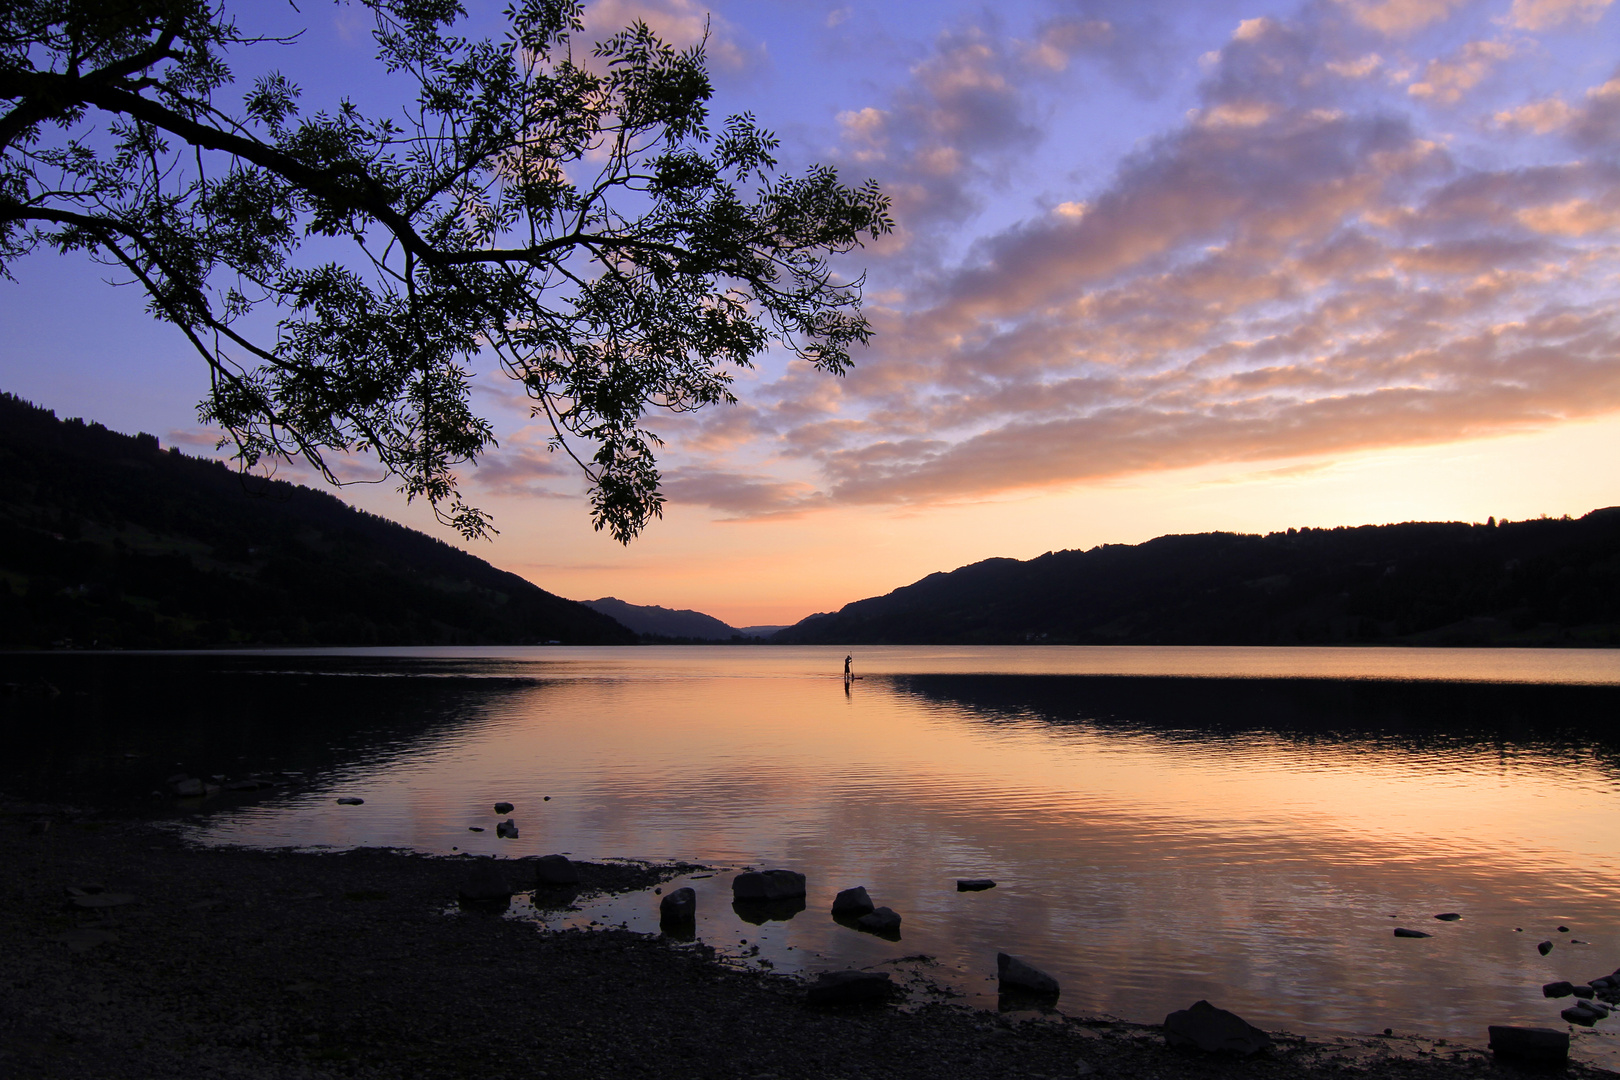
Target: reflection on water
1243,825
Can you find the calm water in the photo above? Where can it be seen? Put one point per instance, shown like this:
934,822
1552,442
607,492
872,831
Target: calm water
1165,824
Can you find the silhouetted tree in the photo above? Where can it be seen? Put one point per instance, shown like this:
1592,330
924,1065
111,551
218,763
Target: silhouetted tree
576,217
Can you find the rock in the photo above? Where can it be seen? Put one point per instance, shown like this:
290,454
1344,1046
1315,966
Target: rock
507,829
475,828
1563,929
1544,948
839,988
1582,992
503,808
767,885
1601,1012
974,884
882,921
350,800
188,788
1602,982
1557,989
760,912
1213,1030
1577,1015
1401,931
679,906
555,872
485,883
1019,977
853,903
1448,916
1536,1045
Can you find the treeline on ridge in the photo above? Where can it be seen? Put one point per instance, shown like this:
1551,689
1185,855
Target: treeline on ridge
107,540
1539,582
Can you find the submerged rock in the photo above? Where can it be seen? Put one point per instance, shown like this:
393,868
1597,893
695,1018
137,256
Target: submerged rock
853,903
679,906
1213,1030
1019,977
1577,1015
1536,1045
1448,916
188,788
503,808
884,922
836,988
1401,931
507,829
974,884
350,800
1544,948
767,885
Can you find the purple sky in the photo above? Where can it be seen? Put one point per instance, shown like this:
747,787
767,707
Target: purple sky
1161,266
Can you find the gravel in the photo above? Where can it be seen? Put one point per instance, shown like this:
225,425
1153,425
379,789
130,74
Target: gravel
233,962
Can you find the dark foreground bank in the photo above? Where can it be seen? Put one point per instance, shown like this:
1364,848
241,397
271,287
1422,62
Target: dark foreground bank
240,963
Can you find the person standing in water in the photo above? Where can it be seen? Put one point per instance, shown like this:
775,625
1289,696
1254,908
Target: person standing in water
848,674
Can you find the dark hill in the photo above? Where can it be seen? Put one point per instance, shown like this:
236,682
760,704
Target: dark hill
107,540
1540,582
663,622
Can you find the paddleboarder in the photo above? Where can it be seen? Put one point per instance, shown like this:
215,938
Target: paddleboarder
848,674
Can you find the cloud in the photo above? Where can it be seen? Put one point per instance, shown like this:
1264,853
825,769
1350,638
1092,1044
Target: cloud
1398,18
524,466
681,23
1537,15
741,494
946,129
1299,269
1446,81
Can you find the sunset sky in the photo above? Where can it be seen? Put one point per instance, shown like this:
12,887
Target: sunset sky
1161,266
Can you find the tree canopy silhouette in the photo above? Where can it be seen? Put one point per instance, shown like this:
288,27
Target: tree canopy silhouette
573,216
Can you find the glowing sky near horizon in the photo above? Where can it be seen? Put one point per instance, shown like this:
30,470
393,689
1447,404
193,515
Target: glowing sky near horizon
1164,266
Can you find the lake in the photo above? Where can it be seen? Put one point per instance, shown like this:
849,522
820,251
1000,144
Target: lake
1163,824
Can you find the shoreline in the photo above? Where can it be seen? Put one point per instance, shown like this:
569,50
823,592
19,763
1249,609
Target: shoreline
241,962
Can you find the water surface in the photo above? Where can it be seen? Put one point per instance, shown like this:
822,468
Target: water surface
1242,825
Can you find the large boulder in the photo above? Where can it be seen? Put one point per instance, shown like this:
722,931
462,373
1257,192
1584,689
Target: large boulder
767,885
852,903
850,988
1212,1030
555,872
1018,977
1542,1046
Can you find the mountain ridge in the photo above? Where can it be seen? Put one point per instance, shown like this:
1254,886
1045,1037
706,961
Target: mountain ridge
109,540
1539,582
653,621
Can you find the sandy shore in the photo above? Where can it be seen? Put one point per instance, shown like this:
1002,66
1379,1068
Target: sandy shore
242,963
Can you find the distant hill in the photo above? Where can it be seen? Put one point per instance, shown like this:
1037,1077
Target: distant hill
1540,582
653,621
107,540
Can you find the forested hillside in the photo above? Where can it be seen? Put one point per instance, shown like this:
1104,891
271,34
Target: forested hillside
1540,582
107,540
